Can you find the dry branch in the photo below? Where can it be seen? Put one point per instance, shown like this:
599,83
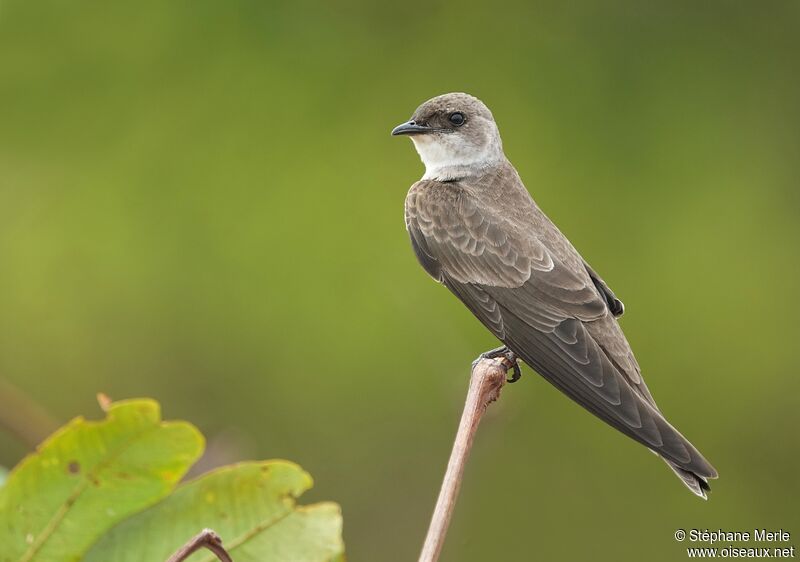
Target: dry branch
205,539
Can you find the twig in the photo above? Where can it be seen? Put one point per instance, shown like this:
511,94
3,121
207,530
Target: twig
204,539
23,417
488,377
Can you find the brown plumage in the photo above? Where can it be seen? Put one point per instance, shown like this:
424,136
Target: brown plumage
475,229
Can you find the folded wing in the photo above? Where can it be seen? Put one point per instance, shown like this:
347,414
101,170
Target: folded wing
541,300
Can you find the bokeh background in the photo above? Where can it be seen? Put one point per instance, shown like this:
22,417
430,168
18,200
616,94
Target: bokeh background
200,202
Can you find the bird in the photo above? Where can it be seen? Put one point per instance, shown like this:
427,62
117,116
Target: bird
475,229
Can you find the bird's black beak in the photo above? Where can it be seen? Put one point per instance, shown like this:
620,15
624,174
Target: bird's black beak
411,128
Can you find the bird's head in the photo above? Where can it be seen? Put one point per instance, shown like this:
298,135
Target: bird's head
455,136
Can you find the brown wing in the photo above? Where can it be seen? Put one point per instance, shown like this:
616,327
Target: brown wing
535,294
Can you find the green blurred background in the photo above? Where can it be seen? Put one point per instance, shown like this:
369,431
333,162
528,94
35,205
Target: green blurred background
200,202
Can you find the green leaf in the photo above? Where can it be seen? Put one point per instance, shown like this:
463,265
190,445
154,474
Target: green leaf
252,506
90,475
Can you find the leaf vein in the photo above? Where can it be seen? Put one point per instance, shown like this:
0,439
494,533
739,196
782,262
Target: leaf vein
62,512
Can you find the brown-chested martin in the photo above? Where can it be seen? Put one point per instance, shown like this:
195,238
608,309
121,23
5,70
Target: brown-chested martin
475,229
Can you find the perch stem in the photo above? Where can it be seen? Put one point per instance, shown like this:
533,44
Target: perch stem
487,378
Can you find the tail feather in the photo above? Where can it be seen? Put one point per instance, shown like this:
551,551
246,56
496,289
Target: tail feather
696,483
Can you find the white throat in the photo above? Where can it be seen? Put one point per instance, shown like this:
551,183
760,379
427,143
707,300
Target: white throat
446,160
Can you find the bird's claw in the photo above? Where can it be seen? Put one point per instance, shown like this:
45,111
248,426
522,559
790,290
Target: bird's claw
510,359
515,372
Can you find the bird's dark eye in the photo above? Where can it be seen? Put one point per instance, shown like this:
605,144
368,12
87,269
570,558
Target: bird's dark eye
457,119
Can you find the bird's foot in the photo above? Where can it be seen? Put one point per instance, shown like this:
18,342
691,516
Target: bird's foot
508,356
